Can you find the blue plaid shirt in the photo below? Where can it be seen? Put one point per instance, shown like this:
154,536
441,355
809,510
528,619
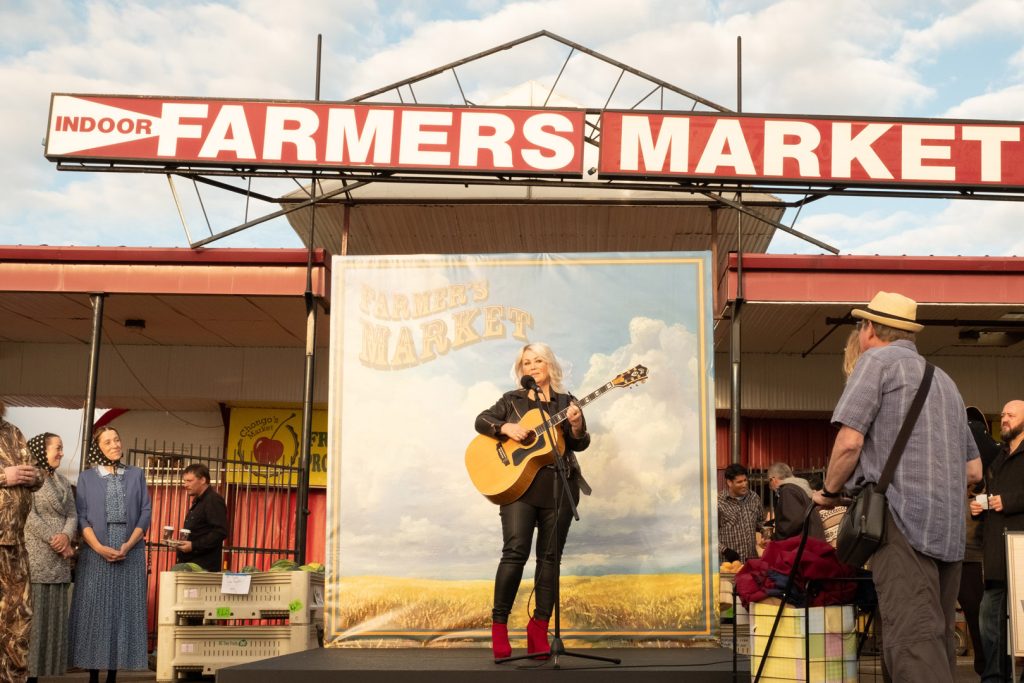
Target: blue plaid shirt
926,496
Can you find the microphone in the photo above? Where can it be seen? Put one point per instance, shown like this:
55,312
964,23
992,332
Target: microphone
528,382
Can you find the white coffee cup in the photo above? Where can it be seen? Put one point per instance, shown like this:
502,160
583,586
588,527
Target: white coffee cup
982,500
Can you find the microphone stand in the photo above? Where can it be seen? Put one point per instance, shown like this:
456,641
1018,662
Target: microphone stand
560,493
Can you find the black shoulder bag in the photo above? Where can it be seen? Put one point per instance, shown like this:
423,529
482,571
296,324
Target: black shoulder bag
863,525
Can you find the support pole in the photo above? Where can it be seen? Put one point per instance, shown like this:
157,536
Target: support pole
88,414
309,377
736,329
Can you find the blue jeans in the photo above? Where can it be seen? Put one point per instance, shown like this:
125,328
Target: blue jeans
992,623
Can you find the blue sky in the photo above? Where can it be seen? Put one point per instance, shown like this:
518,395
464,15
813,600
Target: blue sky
887,58
928,58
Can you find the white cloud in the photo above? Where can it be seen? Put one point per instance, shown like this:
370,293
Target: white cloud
794,61
1006,104
973,20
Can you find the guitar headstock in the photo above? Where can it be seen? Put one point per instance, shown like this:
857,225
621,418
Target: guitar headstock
635,375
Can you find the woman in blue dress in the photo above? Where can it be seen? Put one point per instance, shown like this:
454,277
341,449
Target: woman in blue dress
107,624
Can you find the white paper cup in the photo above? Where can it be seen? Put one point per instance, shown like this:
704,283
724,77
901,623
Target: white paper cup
183,534
982,500
168,533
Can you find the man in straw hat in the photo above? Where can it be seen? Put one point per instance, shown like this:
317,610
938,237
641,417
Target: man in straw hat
916,570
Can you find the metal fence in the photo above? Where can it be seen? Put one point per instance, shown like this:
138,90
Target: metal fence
260,500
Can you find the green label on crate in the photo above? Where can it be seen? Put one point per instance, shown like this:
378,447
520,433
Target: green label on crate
223,612
295,605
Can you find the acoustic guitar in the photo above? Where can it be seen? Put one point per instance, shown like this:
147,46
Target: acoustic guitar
503,470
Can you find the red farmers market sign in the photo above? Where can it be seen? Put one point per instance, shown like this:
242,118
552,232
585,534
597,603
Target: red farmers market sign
848,151
220,132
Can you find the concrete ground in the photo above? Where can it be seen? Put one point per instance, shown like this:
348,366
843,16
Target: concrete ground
965,674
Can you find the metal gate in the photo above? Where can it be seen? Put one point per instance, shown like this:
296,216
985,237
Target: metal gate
260,500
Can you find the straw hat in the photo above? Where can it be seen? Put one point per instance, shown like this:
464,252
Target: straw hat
894,310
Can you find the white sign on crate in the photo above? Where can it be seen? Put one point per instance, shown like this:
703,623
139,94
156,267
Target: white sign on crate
235,584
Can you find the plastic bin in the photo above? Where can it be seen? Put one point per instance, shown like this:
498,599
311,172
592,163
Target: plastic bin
205,649
292,595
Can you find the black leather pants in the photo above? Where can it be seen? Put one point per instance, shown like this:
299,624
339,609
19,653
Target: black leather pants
518,521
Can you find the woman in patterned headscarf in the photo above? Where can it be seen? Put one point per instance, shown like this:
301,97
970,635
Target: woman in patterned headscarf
50,528
107,625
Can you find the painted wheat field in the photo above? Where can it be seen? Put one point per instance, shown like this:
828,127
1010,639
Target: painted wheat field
380,611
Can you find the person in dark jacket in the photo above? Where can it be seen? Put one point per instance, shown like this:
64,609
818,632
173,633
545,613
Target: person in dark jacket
206,520
1003,510
972,579
792,500
537,506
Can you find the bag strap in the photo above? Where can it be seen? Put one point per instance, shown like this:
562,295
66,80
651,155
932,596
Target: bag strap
908,426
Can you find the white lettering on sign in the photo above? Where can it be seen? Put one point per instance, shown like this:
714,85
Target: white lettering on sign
172,129
542,130
418,130
847,148
229,133
344,135
486,130
915,152
638,141
991,139
312,134
726,148
290,126
868,152
791,140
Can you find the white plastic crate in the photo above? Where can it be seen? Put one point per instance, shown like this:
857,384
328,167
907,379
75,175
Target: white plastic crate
206,649
293,595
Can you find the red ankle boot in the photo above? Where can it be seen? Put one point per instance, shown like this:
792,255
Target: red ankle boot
499,641
537,637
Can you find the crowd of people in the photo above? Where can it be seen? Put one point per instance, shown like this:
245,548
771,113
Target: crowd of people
954,494
45,524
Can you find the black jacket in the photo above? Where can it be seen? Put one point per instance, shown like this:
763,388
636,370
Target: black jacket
207,519
1005,479
791,505
511,407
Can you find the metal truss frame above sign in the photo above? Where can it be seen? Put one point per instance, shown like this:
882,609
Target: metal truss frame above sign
656,138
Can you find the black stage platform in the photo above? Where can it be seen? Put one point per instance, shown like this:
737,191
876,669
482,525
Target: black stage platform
421,665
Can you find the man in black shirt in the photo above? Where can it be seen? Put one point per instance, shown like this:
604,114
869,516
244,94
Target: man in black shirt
207,520
1002,510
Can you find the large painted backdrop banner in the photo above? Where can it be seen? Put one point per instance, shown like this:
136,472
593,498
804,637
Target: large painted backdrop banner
420,345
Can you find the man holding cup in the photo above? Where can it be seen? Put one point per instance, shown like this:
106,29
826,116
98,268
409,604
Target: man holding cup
202,535
1002,509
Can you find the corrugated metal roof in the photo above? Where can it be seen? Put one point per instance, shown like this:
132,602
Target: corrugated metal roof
453,219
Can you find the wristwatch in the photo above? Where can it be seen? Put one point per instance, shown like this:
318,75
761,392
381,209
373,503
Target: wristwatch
828,494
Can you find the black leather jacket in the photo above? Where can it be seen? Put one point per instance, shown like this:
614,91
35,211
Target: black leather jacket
513,405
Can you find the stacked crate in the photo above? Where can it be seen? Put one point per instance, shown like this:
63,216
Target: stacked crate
198,627
735,619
